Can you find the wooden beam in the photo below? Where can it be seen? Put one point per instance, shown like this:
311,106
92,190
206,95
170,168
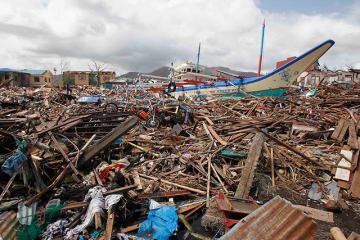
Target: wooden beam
247,174
338,129
216,136
98,223
343,167
317,214
130,228
173,184
294,150
109,138
109,226
352,140
355,184
337,233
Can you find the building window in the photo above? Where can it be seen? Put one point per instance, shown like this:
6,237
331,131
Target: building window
36,79
82,76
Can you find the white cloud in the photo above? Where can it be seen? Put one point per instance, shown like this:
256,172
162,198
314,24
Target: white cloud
142,35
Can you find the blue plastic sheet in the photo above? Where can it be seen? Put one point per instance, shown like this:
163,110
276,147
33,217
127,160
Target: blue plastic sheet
160,224
12,164
89,99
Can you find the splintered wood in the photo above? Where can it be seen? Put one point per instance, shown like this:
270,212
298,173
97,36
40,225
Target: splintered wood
343,168
340,130
247,174
298,147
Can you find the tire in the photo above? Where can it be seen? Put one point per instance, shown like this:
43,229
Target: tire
153,122
111,107
172,87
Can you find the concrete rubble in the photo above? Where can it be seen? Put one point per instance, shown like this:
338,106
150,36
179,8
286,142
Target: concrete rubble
97,164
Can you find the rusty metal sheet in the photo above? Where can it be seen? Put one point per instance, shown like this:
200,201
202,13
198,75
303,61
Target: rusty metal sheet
277,219
8,225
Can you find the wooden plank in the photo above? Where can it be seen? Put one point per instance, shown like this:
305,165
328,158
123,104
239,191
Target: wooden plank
109,226
272,167
5,190
207,131
189,207
289,147
216,136
353,139
98,223
354,236
62,124
75,205
343,184
130,228
247,174
167,194
355,158
209,121
194,210
120,190
109,138
173,184
317,214
137,180
58,146
338,128
355,184
341,172
208,183
220,172
343,131
337,234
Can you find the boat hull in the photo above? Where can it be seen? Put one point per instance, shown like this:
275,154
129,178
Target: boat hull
272,84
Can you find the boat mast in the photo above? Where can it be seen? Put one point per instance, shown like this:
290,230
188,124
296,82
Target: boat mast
261,48
197,62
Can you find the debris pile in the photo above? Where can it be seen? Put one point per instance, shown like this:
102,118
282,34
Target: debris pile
98,164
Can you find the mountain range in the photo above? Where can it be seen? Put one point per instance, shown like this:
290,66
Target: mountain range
165,71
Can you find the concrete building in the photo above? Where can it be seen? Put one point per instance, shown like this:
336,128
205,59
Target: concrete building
343,77
25,77
87,77
12,77
39,78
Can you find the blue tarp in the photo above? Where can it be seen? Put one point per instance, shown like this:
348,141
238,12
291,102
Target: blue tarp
89,99
160,224
12,164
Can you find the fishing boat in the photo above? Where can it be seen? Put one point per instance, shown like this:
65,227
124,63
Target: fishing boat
275,83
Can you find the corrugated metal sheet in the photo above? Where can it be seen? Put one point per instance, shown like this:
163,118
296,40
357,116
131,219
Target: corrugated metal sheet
277,219
33,71
8,225
5,70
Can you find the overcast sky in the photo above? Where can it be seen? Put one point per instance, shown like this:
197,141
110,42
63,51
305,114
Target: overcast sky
140,35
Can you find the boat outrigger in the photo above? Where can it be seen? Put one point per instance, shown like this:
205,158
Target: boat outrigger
275,83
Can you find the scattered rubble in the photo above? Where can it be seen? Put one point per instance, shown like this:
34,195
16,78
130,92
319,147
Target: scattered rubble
131,166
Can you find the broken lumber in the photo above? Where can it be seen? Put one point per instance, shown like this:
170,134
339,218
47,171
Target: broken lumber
108,139
317,214
247,173
173,184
